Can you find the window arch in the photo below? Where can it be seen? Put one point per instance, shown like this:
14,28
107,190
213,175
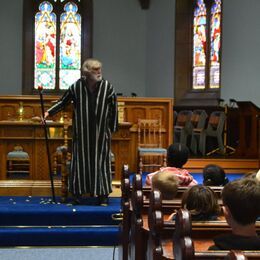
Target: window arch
55,32
198,52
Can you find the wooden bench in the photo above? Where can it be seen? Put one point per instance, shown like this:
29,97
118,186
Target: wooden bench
185,239
136,213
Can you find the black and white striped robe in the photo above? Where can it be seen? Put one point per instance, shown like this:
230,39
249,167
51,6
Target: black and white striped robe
90,170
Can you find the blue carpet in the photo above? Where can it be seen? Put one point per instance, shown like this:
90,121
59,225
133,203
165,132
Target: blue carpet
36,221
60,236
39,211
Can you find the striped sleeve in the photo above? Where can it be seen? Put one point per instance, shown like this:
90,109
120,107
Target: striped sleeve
62,102
113,110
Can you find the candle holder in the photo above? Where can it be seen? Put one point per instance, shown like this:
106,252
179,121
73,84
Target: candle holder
21,111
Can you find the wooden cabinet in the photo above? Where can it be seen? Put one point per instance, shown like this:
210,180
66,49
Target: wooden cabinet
29,136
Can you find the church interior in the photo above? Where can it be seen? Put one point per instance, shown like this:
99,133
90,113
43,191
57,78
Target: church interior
186,82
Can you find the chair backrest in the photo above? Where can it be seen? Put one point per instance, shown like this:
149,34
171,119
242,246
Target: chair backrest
149,133
216,121
183,117
198,118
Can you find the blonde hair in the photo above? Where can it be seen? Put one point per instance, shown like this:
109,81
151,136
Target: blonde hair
167,183
89,64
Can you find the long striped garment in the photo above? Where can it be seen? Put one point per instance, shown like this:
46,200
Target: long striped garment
90,169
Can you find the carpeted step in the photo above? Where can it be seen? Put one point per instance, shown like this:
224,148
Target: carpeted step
39,211
60,236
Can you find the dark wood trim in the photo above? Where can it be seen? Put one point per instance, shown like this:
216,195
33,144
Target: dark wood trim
145,4
29,8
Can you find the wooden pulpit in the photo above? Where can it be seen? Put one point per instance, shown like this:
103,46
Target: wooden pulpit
248,129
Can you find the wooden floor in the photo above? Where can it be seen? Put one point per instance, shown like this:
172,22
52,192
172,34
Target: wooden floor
43,188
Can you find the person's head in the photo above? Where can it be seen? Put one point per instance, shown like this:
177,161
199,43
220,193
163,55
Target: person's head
253,174
200,199
177,155
241,201
167,183
214,175
92,69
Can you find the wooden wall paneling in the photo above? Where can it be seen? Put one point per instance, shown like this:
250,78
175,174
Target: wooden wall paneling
149,108
124,142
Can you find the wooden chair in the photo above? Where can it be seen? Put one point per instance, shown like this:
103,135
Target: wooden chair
18,162
151,154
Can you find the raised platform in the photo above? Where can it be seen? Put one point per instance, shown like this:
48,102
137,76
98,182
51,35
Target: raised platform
36,221
43,188
230,165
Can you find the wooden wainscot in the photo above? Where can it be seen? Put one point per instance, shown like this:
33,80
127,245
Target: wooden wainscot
20,126
147,108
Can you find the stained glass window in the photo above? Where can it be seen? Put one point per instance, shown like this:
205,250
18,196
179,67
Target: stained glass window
199,45
57,44
215,36
45,47
70,45
206,44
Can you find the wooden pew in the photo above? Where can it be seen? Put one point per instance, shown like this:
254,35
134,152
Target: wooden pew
185,239
187,252
139,205
125,207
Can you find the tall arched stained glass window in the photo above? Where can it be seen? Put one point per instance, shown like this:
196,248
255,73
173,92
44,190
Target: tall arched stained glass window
70,45
55,32
199,45
215,37
206,44
45,47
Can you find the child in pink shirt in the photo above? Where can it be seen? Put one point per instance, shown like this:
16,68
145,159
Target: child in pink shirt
177,156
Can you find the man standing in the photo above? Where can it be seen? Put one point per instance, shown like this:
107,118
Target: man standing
94,120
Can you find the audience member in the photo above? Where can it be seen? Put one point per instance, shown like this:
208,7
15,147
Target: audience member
253,175
166,183
214,175
202,203
177,156
241,208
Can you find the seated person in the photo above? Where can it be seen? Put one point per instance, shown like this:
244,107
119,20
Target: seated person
202,203
253,175
241,208
167,183
214,175
177,156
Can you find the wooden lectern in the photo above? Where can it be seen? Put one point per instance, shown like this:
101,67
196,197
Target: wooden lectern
248,129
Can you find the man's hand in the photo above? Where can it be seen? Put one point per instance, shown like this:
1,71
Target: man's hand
46,114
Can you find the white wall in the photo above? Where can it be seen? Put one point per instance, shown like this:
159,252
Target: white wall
160,49
241,51
119,41
137,47
11,47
